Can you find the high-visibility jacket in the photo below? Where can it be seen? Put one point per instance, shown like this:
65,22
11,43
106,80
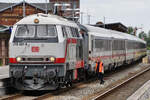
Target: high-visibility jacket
100,67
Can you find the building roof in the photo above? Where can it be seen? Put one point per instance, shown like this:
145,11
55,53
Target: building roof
42,6
4,29
113,26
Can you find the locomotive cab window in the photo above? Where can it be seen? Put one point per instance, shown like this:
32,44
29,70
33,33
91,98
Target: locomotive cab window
25,31
46,31
36,33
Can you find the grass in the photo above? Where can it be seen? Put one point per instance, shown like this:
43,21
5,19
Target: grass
148,48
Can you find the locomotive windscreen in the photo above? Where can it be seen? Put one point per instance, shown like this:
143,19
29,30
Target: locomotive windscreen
32,33
25,31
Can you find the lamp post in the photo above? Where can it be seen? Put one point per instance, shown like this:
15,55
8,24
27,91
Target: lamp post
89,19
24,9
46,7
104,21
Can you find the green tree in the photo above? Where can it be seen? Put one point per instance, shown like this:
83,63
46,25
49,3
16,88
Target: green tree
148,41
142,35
130,30
148,34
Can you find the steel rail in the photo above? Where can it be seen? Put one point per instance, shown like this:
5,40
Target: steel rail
49,95
101,96
12,97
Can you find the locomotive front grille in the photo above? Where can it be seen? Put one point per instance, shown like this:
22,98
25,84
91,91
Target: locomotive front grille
24,59
35,59
46,59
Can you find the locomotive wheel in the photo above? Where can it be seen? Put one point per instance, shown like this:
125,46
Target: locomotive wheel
85,75
114,66
69,78
68,84
58,87
109,67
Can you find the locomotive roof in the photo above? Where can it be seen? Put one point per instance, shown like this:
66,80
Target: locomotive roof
111,33
46,19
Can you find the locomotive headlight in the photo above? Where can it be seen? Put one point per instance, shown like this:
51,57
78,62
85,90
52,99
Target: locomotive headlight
36,21
52,59
18,59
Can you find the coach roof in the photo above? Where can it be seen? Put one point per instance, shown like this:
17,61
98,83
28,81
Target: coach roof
111,33
47,19
96,31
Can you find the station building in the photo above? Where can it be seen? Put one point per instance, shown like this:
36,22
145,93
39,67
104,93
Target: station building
4,39
113,26
10,13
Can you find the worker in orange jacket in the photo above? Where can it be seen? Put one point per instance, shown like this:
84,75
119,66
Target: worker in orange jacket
100,70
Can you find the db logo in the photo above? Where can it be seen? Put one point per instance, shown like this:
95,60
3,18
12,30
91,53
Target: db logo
35,49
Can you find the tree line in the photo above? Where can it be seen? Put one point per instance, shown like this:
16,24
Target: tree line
142,35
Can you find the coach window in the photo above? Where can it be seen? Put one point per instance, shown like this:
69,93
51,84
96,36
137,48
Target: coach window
119,45
135,45
99,44
115,45
92,45
107,45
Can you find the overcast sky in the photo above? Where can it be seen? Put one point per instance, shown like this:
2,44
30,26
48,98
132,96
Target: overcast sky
129,12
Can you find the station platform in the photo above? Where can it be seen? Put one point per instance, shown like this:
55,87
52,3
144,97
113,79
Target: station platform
4,72
143,93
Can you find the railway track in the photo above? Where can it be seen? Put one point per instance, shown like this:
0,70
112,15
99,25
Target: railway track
120,92
76,86
51,94
12,97
55,93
